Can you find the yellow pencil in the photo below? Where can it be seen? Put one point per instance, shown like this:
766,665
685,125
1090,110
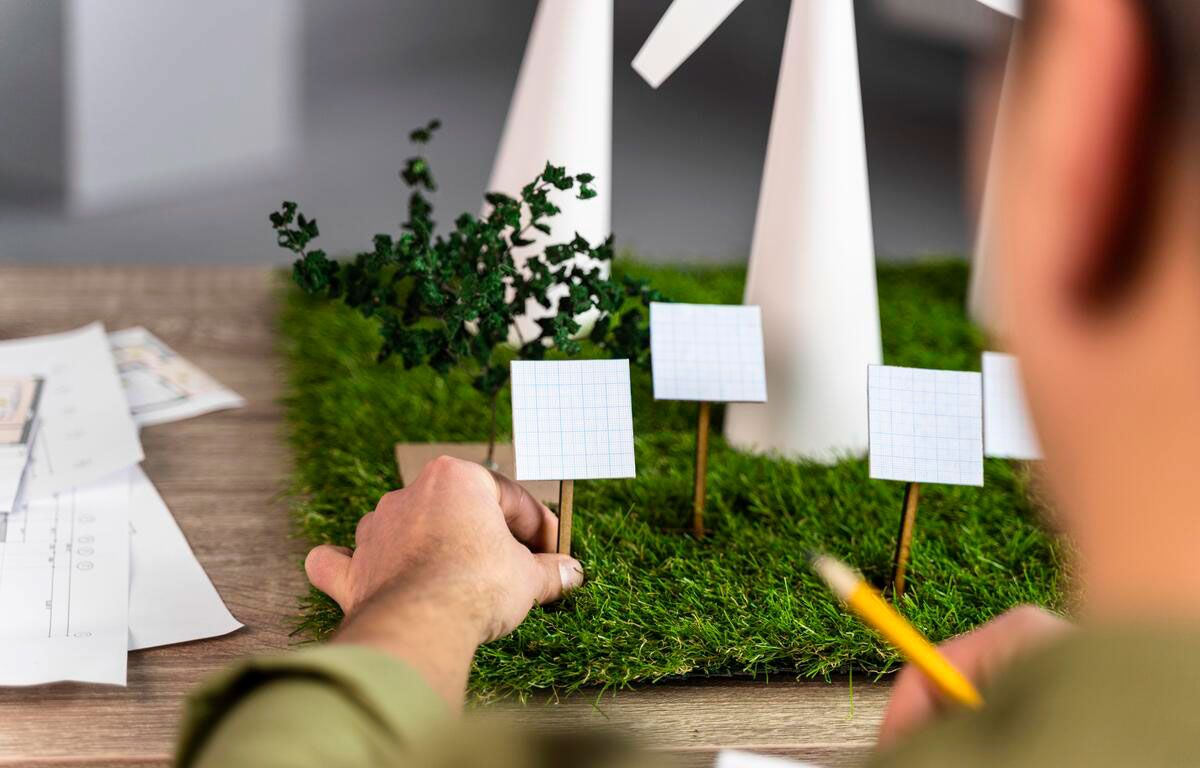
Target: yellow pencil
854,591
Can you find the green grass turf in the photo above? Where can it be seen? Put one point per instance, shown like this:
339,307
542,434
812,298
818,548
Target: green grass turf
658,604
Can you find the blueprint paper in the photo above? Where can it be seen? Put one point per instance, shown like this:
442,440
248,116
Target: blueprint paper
171,599
925,426
64,586
707,352
572,419
160,385
1008,431
86,433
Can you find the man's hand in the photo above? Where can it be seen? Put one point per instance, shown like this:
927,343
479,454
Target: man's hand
979,655
455,559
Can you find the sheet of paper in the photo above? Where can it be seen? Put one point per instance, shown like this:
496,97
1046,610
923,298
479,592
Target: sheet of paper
162,386
733,758
708,352
1007,426
86,432
572,419
925,426
64,586
171,599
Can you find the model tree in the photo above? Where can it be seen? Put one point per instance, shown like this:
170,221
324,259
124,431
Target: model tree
452,300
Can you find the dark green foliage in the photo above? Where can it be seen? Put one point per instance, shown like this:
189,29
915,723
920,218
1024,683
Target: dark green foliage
449,301
658,604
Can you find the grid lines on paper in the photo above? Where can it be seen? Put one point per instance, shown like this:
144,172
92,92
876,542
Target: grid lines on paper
925,426
707,352
572,419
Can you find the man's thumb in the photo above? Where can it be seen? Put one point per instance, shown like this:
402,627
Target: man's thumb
328,568
559,575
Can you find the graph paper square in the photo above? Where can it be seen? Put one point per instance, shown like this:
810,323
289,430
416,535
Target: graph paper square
572,419
707,352
925,426
1007,427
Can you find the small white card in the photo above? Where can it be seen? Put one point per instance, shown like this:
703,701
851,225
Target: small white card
707,352
1007,427
925,426
572,419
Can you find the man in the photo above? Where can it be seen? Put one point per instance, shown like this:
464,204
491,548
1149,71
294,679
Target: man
1099,286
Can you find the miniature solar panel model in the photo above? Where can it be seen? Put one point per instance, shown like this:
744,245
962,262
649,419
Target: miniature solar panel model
925,427
572,420
707,353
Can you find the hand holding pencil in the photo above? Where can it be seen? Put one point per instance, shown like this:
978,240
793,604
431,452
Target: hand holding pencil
854,591
944,671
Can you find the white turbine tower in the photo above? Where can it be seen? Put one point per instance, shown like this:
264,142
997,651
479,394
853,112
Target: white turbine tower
561,112
812,261
980,299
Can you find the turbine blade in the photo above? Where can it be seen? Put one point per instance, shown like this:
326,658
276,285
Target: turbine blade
1007,7
681,30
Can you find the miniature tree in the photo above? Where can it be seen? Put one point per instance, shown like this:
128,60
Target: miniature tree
451,300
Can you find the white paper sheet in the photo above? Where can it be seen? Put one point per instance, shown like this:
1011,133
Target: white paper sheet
86,431
161,385
572,419
925,426
707,352
171,599
1008,431
733,758
64,587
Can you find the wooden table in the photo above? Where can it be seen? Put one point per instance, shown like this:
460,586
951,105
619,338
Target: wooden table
222,476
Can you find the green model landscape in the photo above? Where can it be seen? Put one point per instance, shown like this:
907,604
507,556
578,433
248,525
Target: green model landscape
657,603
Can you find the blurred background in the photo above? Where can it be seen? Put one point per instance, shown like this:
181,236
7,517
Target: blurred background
166,131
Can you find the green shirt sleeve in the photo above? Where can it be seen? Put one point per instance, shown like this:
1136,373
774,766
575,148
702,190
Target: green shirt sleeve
334,705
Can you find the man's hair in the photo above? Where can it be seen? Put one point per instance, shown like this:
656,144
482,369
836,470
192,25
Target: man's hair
1174,26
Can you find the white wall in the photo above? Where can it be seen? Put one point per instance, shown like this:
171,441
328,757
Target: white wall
117,101
32,122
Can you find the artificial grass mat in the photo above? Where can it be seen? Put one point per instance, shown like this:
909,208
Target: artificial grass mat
658,604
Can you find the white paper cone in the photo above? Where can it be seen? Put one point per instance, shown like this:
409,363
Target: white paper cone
561,112
812,263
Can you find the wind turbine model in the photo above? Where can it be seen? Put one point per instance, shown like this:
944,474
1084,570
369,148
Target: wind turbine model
561,112
812,262
980,303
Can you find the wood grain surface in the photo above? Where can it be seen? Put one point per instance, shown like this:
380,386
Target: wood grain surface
222,475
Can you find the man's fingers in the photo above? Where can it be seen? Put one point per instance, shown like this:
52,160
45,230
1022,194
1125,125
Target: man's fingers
530,522
328,569
557,575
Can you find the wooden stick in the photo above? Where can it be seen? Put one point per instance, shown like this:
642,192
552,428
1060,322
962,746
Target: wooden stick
566,497
908,519
702,419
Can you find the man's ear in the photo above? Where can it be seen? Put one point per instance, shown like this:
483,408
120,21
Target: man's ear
1101,66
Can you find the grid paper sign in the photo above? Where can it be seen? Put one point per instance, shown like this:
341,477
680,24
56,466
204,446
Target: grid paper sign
572,419
707,352
1007,427
925,426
